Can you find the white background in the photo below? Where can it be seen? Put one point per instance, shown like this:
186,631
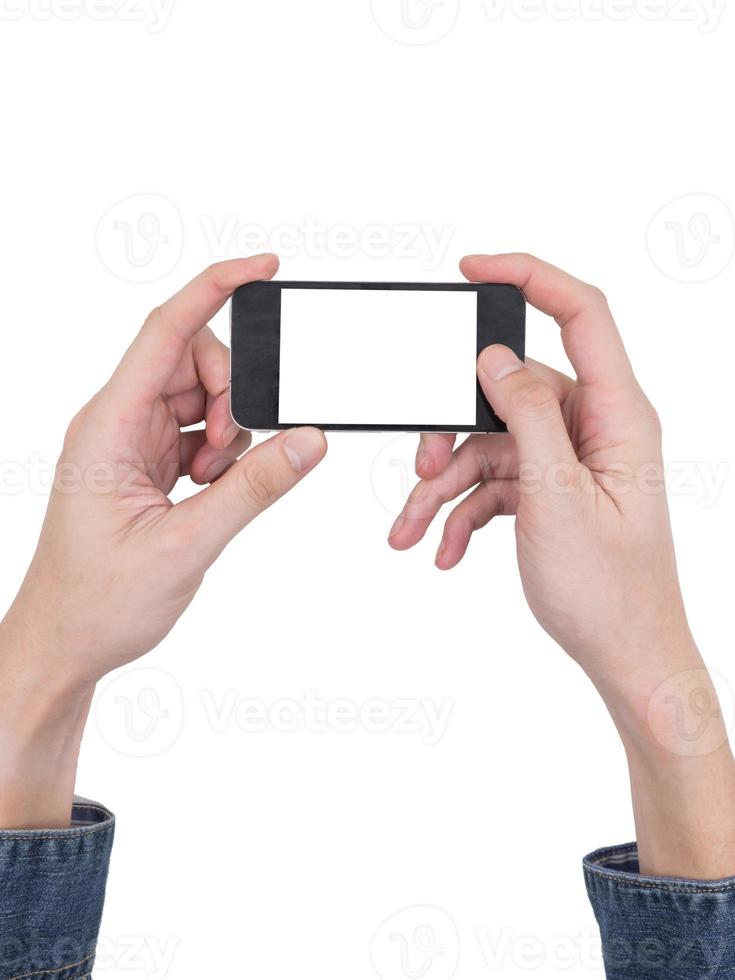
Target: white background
280,854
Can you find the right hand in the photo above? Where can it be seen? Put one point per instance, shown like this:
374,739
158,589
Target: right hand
581,468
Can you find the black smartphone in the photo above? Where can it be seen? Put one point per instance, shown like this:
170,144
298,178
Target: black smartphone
368,356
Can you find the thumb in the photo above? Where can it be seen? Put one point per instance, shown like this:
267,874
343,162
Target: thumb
208,521
528,407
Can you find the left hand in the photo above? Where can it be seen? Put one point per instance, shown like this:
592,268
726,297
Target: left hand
118,562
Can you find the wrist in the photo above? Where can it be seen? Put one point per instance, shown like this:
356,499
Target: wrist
682,771
663,699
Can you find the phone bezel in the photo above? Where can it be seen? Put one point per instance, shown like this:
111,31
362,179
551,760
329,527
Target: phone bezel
255,348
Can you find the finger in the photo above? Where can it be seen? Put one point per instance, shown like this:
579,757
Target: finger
212,363
561,384
152,359
189,445
479,458
435,449
189,407
489,500
434,453
221,428
529,408
210,519
203,462
590,336
203,393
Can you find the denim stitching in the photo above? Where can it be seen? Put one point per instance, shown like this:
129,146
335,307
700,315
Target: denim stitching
626,879
60,969
681,888
60,834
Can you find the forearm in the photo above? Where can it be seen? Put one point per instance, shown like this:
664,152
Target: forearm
54,851
682,770
42,717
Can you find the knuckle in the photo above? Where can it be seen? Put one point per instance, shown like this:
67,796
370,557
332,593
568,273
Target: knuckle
644,416
178,538
211,278
256,486
74,428
597,296
653,420
534,400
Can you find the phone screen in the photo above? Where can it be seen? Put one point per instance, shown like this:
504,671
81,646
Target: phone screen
383,355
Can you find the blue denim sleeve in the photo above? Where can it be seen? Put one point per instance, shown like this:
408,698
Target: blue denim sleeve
52,889
660,928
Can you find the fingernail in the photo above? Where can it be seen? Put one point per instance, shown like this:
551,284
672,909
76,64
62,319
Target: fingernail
216,470
304,448
399,522
231,432
497,362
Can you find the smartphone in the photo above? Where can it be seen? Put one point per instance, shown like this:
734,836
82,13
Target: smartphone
368,356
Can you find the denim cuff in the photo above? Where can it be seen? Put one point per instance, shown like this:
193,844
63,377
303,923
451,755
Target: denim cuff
52,890
659,928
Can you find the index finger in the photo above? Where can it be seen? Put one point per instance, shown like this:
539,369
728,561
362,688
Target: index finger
434,453
589,333
156,352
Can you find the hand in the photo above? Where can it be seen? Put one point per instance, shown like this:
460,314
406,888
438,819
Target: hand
582,470
117,562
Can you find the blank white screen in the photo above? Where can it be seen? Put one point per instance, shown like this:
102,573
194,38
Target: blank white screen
378,357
